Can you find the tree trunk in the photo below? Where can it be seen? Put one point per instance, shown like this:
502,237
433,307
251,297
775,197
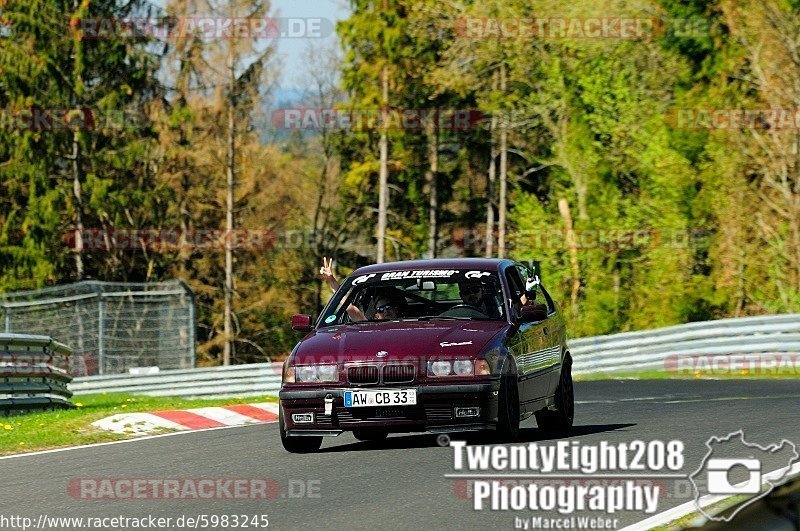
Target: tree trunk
383,184
78,195
563,208
501,217
228,351
432,178
491,182
77,192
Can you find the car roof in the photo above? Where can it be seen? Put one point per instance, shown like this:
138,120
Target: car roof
486,264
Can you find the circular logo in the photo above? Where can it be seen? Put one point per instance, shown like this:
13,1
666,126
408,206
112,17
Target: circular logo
443,440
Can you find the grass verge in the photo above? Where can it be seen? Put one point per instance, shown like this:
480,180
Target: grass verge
72,427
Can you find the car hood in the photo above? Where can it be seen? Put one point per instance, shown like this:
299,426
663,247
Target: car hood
399,340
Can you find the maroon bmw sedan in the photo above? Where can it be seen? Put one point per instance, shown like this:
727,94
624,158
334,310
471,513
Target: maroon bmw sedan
434,346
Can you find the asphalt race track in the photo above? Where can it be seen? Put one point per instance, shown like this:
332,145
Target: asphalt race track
400,483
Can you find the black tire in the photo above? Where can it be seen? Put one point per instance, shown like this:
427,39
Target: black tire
508,407
297,445
370,435
560,420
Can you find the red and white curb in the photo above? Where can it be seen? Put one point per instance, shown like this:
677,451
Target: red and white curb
189,419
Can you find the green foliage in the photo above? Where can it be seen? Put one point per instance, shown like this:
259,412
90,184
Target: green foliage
714,214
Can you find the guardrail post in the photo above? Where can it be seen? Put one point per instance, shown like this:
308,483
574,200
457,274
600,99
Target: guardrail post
192,332
7,311
101,330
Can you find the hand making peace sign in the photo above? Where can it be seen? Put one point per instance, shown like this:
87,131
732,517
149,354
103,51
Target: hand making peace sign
327,273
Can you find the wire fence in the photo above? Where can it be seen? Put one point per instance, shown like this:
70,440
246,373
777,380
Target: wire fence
111,326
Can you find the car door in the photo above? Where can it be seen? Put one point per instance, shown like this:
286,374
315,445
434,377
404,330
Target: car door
554,330
543,354
534,382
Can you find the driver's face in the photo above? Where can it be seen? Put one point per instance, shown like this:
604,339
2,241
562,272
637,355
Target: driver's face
385,309
471,293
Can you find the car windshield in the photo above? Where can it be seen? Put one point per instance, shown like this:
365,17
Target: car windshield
417,295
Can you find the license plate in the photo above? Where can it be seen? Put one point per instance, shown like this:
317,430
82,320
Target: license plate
380,397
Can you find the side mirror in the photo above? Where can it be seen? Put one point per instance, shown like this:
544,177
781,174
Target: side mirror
301,322
531,313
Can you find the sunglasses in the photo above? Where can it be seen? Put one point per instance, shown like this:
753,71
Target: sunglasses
383,308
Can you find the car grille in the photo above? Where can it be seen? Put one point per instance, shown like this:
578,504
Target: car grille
398,373
363,374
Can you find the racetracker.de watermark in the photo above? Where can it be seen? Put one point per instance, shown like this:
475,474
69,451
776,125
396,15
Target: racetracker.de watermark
759,364
569,28
776,119
204,27
122,488
175,239
39,119
476,239
315,119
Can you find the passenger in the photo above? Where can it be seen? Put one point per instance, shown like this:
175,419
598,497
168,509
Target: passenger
353,311
389,307
386,306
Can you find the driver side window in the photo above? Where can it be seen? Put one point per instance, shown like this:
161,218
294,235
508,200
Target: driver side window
515,287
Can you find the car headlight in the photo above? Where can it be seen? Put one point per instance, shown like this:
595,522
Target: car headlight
462,367
316,373
457,368
439,368
327,373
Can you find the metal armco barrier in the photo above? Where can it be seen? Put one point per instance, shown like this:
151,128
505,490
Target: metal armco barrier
628,352
33,374
232,381
651,349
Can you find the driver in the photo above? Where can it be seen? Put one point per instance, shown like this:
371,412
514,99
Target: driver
474,293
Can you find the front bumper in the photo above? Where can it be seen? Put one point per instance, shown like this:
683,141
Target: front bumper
434,412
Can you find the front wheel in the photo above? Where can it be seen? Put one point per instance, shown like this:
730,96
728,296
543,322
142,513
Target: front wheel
508,407
563,417
297,445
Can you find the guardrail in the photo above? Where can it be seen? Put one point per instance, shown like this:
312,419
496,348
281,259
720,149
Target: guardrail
33,374
231,381
650,349
626,352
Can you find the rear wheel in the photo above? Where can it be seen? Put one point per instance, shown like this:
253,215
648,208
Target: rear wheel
508,407
370,435
297,445
563,417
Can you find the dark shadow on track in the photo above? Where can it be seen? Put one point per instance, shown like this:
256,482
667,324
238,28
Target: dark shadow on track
427,440
527,435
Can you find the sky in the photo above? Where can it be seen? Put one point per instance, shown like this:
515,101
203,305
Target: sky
304,16
291,50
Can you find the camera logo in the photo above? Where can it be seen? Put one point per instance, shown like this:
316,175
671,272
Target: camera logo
719,472
728,475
